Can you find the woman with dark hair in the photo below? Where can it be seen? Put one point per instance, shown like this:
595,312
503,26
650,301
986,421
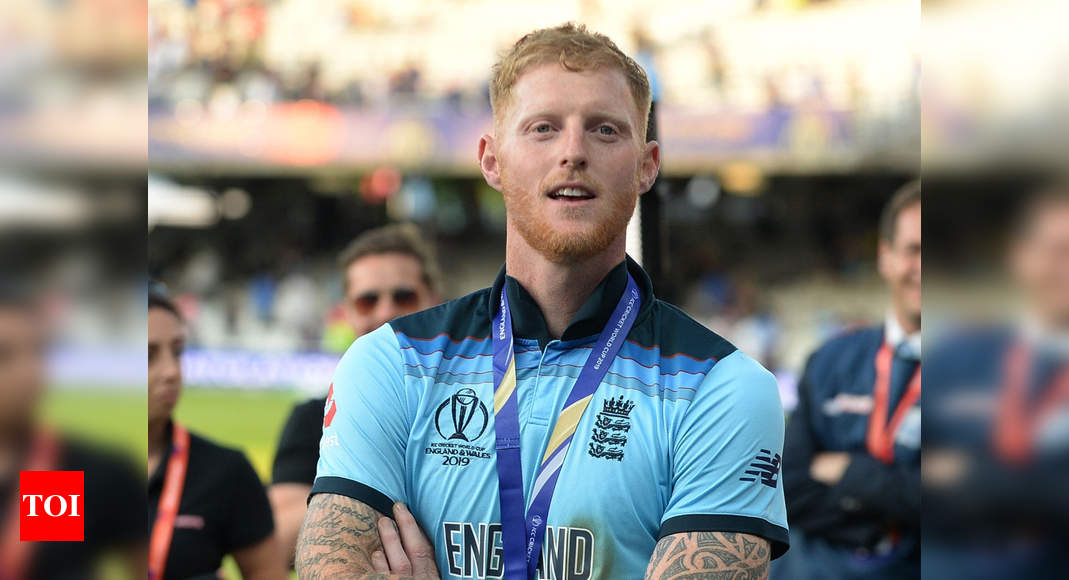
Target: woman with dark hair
205,501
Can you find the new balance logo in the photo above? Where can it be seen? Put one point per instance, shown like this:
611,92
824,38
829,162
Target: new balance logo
765,467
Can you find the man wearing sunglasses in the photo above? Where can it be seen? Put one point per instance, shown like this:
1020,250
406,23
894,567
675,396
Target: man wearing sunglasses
387,272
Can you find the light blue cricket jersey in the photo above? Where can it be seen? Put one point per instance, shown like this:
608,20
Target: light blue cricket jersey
683,435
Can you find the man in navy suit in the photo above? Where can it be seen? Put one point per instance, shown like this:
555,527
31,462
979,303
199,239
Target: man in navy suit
997,433
851,462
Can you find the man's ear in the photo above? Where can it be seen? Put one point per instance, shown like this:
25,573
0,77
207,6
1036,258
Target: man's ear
651,164
488,161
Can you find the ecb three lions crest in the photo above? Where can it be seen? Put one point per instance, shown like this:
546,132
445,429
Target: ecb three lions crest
609,436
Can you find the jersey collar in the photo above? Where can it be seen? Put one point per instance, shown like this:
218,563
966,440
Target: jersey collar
896,335
527,320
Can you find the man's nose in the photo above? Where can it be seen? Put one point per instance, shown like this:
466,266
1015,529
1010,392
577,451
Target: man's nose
574,153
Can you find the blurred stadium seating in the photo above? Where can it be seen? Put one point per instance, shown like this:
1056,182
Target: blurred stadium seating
817,87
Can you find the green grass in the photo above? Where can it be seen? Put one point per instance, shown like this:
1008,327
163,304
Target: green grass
247,420
115,418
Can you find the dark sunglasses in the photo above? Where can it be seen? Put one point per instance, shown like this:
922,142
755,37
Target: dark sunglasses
405,298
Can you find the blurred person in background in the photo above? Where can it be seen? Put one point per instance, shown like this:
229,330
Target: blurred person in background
204,501
387,272
851,467
113,492
996,465
671,471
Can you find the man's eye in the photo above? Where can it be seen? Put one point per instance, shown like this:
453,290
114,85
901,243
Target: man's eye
542,128
606,130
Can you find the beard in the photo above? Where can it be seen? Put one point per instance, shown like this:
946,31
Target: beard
569,247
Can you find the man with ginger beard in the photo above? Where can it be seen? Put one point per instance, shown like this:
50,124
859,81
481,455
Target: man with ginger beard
451,430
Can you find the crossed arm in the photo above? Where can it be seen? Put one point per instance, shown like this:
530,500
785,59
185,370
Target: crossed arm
343,537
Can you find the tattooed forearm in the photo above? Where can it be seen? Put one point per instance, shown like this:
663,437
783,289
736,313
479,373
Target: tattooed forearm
337,539
709,556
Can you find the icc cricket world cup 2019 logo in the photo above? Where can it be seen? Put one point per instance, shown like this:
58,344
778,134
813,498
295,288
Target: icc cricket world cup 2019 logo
469,416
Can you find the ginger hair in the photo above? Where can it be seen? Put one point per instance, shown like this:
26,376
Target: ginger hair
576,49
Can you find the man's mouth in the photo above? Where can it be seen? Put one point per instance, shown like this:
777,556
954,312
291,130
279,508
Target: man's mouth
571,193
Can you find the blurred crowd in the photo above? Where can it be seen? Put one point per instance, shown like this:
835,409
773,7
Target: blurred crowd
220,54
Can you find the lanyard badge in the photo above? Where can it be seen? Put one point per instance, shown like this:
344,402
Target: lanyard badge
167,510
880,438
1016,420
523,529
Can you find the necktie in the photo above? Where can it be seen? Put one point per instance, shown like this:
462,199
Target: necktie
1046,366
903,366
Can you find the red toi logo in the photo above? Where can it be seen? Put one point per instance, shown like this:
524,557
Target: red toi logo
51,506
331,407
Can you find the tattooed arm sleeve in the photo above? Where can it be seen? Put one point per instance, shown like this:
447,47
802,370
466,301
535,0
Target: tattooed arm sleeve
337,539
709,556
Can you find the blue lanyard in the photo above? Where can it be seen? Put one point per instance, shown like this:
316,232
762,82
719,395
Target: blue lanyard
522,531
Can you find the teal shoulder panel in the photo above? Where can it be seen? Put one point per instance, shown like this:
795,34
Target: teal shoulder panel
672,332
464,318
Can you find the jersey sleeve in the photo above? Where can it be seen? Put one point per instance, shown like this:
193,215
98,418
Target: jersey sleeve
298,446
726,457
366,425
